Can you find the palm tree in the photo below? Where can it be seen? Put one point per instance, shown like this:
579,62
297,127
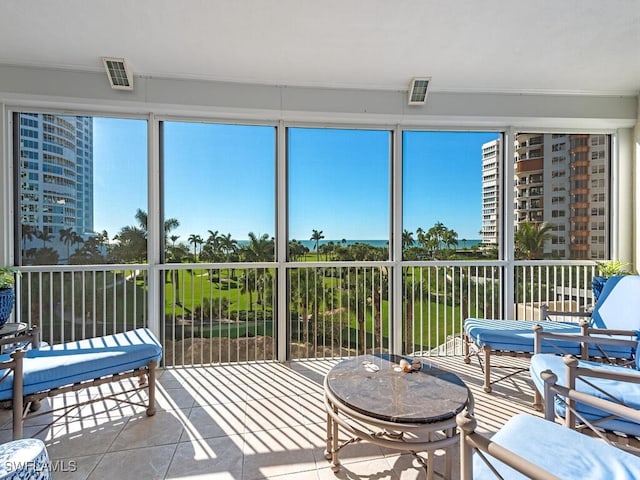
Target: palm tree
249,283
407,239
450,237
228,245
259,249
76,239
316,236
530,239
296,250
28,232
169,224
437,232
66,237
45,236
195,240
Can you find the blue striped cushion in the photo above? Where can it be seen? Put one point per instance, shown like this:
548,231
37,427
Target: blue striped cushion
517,335
59,365
628,393
562,452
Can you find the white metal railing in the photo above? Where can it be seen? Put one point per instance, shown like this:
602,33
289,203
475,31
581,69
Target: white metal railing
220,313
76,302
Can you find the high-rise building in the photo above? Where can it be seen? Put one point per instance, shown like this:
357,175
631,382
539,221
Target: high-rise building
56,171
559,179
490,191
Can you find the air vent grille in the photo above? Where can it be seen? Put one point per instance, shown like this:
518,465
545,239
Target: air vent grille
418,90
119,73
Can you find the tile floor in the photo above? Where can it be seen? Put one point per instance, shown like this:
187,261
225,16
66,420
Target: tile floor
241,422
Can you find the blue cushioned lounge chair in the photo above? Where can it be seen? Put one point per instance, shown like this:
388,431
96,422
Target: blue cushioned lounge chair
617,313
530,447
27,377
550,373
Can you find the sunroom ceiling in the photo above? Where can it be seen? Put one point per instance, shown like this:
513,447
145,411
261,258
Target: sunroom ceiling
542,46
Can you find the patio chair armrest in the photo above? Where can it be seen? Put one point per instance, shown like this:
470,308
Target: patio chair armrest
612,341
607,331
470,440
31,336
621,374
552,388
621,342
546,314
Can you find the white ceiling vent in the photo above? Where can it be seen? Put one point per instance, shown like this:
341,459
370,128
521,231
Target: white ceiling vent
418,90
119,73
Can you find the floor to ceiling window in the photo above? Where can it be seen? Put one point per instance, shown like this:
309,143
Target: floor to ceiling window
339,201
86,241
219,209
82,200
450,214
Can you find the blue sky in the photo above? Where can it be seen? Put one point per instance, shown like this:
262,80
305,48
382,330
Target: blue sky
222,177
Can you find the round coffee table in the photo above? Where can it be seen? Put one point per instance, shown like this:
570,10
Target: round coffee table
411,411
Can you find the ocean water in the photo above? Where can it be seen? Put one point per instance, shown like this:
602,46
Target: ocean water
310,244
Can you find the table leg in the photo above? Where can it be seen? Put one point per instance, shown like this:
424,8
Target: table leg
335,462
327,452
430,459
447,456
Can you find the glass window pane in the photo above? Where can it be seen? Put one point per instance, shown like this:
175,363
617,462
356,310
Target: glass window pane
561,188
338,194
219,192
76,205
450,195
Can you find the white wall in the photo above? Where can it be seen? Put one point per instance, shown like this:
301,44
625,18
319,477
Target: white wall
89,90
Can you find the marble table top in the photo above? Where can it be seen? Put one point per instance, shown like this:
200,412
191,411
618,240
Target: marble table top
374,386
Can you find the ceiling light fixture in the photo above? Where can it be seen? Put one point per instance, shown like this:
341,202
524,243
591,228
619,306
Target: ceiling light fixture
119,73
418,90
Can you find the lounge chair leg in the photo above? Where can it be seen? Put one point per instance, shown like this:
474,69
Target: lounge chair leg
487,368
537,400
151,409
35,406
467,350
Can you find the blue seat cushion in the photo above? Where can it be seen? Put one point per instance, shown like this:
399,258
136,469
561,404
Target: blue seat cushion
626,392
64,364
562,452
518,336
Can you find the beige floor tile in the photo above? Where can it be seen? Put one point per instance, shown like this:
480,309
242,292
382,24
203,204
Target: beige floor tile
149,463
174,398
270,413
308,475
277,452
214,421
210,458
74,469
354,452
377,469
163,428
408,467
73,441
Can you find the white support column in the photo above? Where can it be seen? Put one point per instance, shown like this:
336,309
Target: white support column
154,225
282,330
635,146
506,243
622,200
397,315
6,192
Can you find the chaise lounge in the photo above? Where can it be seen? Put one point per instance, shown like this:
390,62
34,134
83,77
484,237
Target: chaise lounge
615,314
530,447
28,376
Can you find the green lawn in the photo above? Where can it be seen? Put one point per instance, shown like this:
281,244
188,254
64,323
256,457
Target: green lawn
195,285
